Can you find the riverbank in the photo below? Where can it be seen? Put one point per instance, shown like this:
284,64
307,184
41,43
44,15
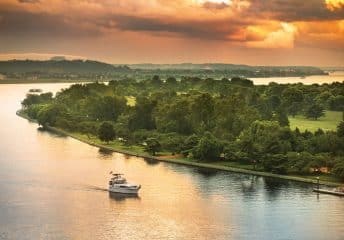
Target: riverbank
132,151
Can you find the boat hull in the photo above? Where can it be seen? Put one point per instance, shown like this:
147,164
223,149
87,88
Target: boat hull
124,190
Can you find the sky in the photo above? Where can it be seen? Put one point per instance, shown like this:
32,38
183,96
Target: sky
255,32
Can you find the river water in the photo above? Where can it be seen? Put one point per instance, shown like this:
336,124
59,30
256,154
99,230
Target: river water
337,76
52,187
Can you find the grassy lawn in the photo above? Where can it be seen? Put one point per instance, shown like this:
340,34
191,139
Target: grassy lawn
327,123
234,165
117,145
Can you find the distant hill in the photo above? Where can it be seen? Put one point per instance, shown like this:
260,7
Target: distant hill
224,66
58,67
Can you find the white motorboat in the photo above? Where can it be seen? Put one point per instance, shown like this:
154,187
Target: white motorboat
118,184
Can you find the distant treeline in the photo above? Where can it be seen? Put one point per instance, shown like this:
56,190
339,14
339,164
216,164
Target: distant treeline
203,119
93,70
63,66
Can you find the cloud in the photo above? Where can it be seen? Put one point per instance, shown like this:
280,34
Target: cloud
24,24
216,29
28,1
252,23
281,38
215,5
294,10
334,5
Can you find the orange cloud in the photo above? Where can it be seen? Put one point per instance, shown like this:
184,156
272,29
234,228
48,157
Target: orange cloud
283,37
252,25
334,5
320,34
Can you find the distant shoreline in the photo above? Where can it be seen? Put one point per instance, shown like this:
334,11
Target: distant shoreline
24,81
256,80
185,162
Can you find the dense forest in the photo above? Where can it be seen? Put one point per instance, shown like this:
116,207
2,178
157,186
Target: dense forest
229,120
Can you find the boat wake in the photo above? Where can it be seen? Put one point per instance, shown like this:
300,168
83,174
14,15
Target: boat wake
94,188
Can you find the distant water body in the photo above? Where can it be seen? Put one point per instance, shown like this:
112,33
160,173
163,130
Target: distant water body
337,76
52,187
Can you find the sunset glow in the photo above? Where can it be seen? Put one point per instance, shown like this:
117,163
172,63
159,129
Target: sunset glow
334,4
134,31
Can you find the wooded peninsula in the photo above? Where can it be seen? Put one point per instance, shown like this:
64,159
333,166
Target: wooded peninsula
228,122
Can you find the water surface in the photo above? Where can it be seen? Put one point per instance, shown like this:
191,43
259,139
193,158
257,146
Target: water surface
52,187
337,76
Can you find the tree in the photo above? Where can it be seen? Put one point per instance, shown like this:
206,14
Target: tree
189,143
32,99
275,163
203,110
106,108
87,128
48,115
156,80
153,146
338,168
275,102
340,129
141,117
264,137
33,110
314,111
292,98
336,103
171,81
208,148
106,132
174,116
242,81
282,118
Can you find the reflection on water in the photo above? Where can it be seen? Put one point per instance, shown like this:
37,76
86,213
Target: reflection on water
337,76
206,172
54,187
105,153
151,161
123,197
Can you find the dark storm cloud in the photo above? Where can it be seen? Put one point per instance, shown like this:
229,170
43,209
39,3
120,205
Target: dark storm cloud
215,6
28,1
294,10
22,23
230,28
208,29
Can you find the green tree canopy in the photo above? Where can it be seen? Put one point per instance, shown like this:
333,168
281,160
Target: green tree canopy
106,132
314,111
152,146
208,148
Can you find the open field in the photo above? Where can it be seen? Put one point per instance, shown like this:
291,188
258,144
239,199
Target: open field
327,123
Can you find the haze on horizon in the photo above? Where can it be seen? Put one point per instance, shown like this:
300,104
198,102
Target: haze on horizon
255,32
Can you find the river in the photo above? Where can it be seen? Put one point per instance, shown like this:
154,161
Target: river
337,76
52,187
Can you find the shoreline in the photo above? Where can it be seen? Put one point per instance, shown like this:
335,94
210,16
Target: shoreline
184,162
